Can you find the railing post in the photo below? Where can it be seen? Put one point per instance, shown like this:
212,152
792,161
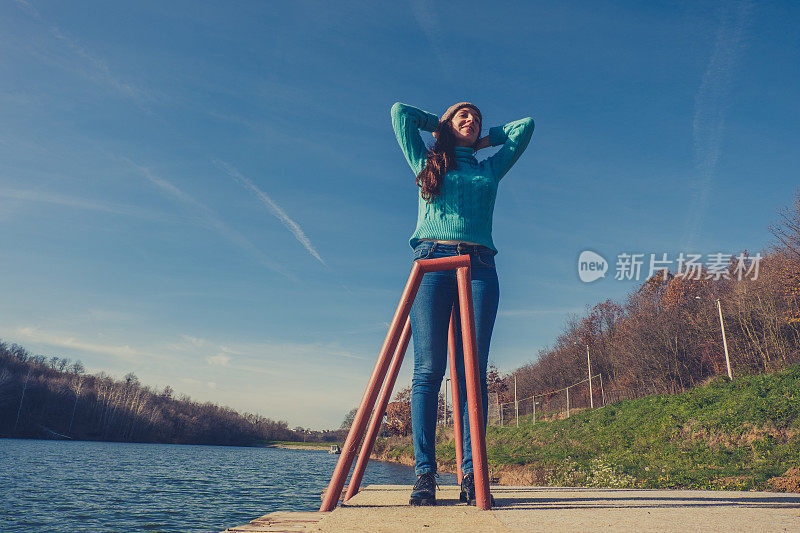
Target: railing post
368,400
472,377
380,410
457,419
396,343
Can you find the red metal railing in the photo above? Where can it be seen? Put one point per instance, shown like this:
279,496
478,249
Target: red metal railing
395,345
457,422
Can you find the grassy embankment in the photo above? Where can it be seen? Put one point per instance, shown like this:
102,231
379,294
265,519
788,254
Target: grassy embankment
738,435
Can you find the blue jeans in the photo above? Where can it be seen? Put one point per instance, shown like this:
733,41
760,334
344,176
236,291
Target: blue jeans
430,319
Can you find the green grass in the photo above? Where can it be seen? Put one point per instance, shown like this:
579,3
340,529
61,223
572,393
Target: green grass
726,435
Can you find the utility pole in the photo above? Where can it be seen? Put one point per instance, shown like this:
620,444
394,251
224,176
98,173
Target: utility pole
724,340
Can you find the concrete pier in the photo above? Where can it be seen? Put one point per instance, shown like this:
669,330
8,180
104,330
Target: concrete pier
384,508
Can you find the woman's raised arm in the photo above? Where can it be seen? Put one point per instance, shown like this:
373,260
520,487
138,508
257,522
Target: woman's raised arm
514,137
407,121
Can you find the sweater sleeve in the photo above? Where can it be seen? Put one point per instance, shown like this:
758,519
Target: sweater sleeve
514,137
407,121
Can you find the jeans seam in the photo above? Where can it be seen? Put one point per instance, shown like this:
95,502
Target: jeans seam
481,261
476,253
430,251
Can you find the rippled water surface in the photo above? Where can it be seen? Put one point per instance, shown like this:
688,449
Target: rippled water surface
62,486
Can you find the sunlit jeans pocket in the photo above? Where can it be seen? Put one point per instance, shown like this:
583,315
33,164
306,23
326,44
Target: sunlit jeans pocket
423,251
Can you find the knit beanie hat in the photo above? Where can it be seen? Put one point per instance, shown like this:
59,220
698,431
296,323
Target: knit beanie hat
455,107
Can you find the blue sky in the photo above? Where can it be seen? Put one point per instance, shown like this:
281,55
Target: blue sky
210,195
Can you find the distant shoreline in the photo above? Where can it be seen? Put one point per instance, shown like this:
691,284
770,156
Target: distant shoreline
321,447
314,446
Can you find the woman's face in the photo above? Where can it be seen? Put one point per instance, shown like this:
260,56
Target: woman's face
466,126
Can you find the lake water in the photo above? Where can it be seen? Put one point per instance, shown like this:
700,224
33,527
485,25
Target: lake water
64,486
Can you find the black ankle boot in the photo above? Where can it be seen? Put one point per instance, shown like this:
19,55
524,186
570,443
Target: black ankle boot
424,491
468,490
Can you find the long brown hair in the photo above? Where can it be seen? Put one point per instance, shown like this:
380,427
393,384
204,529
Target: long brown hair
439,159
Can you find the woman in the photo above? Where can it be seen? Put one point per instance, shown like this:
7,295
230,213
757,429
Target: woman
454,217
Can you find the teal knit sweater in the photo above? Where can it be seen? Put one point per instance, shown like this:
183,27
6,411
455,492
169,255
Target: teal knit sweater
463,210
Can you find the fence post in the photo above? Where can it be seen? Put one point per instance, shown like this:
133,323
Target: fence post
516,403
602,392
444,415
567,402
589,360
534,411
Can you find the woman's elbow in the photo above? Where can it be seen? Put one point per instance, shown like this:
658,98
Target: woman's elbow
528,123
527,129
397,109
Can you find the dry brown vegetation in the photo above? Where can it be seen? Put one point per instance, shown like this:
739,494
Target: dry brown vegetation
666,338
54,398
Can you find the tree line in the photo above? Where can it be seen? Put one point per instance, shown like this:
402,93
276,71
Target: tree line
53,397
666,337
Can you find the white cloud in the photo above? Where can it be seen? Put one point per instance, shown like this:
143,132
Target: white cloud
274,208
210,218
711,105
194,341
425,15
78,203
218,360
535,312
66,340
98,70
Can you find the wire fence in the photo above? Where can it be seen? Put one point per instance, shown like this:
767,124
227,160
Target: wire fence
588,393
550,405
555,404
